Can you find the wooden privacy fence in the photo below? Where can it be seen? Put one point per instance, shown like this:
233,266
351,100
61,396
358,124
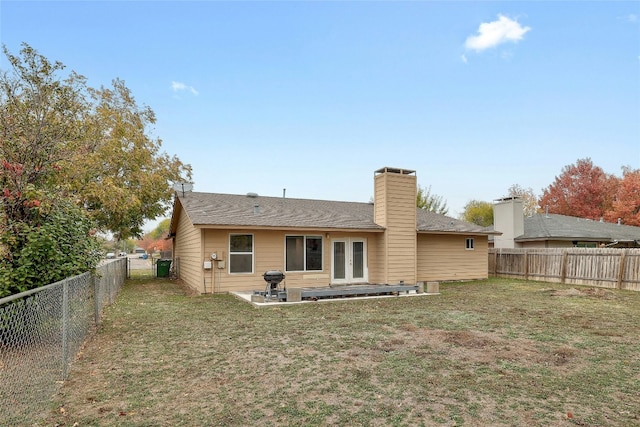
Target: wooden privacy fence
607,268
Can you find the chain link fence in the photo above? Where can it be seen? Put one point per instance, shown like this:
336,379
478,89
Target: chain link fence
42,331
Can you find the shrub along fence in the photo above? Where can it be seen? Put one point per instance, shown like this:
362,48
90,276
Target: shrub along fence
42,331
607,267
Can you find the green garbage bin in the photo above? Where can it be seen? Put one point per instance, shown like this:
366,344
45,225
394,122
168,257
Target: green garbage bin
162,267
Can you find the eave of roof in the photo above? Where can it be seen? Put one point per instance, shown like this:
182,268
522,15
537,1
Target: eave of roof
292,228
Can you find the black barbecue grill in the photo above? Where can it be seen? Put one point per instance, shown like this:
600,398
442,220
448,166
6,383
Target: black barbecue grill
273,279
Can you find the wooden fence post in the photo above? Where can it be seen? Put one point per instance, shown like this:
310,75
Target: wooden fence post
526,264
495,262
563,267
623,258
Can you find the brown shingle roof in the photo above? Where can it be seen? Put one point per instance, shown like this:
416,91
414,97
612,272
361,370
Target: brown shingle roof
238,210
432,222
229,210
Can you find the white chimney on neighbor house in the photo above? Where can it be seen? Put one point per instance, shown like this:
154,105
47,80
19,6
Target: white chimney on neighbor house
508,218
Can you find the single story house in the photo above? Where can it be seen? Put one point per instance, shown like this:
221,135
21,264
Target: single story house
225,242
544,230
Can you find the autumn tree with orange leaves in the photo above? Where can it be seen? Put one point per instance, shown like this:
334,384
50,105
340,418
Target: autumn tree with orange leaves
581,190
626,204
156,240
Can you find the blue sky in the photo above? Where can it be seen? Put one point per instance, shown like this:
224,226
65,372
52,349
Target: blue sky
315,96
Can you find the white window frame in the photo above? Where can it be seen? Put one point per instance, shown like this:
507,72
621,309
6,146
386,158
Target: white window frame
469,244
304,254
252,253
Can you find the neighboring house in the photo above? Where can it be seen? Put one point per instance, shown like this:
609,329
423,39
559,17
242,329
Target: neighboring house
226,242
545,230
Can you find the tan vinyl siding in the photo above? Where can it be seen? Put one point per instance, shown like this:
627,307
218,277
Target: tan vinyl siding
398,211
187,247
375,252
380,197
444,257
401,256
378,270
269,254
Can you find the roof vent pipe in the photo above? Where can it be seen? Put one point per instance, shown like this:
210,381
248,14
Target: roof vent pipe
256,209
284,192
619,221
546,211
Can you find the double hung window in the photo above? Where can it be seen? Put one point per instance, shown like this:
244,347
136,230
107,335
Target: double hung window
241,253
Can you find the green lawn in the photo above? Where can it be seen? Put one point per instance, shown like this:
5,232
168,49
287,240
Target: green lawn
497,352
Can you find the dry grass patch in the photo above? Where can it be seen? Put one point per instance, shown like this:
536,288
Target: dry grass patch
494,352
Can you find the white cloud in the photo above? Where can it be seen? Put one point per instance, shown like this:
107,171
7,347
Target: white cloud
178,86
464,58
491,34
632,18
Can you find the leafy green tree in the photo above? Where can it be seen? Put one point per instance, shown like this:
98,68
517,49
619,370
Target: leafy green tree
39,124
44,237
91,145
123,177
431,202
73,159
478,212
56,244
161,230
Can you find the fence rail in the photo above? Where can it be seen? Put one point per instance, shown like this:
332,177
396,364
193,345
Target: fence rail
42,331
607,268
